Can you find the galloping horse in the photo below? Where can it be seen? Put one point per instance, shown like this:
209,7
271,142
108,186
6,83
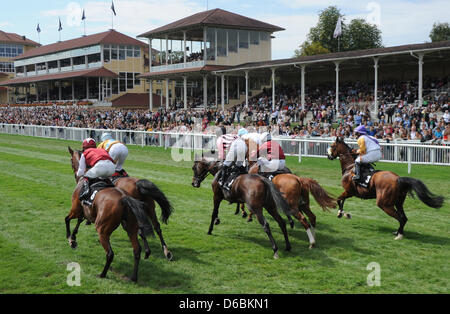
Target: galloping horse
148,193
296,191
257,192
388,188
111,207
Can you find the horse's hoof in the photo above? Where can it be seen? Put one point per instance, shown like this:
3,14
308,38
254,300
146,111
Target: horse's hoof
244,215
147,254
399,237
348,216
169,256
292,225
339,215
288,248
217,222
249,220
275,255
312,245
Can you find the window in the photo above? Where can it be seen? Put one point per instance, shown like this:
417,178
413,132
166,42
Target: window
130,81
7,67
254,38
264,36
232,40
106,53
130,51
30,68
122,82
243,39
65,63
115,86
52,65
137,52
79,60
122,53
10,50
41,66
221,42
137,81
114,53
211,44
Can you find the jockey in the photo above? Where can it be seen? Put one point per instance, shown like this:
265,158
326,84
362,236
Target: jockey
369,150
270,155
97,161
224,141
236,156
117,150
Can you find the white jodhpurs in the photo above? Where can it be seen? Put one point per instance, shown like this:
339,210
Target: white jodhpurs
102,169
273,165
119,154
372,156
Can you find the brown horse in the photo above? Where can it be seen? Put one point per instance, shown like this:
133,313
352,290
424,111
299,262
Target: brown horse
296,191
255,191
388,188
148,193
111,207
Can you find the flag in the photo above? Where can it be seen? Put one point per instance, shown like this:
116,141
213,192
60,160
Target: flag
38,29
338,30
84,16
112,8
60,25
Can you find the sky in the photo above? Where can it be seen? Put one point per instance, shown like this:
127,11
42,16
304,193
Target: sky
401,21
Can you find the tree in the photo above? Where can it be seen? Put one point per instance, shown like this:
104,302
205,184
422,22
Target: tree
440,32
358,34
310,49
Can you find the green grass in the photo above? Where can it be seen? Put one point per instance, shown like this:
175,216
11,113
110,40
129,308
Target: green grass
36,184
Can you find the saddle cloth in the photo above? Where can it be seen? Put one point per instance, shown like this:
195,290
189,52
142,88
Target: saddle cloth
367,172
97,186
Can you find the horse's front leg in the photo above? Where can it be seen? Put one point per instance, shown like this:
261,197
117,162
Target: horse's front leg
217,199
75,213
340,201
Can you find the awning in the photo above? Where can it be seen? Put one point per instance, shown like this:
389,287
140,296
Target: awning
100,72
180,72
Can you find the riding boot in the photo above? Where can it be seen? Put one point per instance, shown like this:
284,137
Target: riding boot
85,191
224,175
357,175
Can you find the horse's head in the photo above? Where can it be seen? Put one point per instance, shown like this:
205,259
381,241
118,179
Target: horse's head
338,148
201,169
75,160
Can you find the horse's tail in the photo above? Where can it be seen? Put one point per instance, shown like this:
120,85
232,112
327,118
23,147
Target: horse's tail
428,198
325,200
274,197
149,189
138,210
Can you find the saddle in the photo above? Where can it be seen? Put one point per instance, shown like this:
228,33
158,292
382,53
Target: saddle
234,174
271,175
367,172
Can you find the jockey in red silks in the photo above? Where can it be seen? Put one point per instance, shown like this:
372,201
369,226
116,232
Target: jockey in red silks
97,162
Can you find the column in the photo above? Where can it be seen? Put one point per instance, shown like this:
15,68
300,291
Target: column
99,90
303,86
222,89
73,90
217,97
204,44
420,79
246,87
337,87
167,93
167,51
37,92
375,92
60,90
227,99
48,92
273,89
150,54
184,45
150,92
87,88
185,91
205,90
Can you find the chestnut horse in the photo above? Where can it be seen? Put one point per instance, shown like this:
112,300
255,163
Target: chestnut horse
255,191
296,192
111,207
388,188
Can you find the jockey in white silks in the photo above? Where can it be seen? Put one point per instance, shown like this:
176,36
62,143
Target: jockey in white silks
236,156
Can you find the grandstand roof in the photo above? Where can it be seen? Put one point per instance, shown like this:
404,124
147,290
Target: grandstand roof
16,39
101,72
213,18
179,72
108,37
347,55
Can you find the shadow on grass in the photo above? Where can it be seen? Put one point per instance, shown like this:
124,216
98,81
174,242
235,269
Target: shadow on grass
420,237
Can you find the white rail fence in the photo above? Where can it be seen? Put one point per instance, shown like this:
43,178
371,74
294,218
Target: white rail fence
406,152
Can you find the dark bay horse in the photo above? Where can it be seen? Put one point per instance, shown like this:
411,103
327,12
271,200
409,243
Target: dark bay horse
148,193
258,193
111,207
388,188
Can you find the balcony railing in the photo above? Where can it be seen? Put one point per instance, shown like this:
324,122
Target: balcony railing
178,66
